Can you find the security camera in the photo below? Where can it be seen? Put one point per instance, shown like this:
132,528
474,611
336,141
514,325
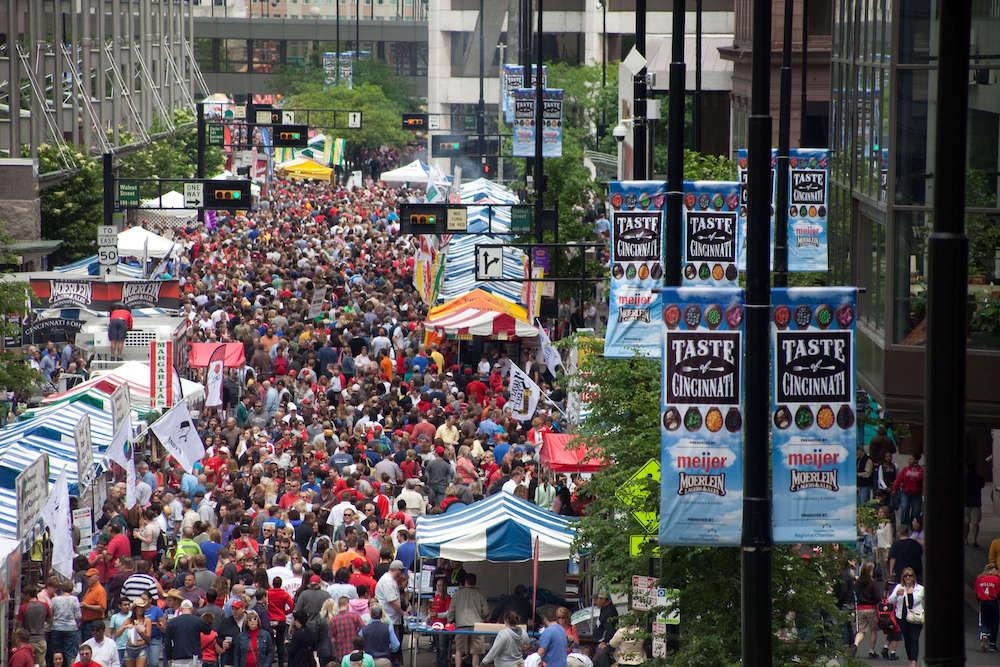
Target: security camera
619,132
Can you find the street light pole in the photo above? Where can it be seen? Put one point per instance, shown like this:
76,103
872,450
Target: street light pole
756,541
337,76
639,159
784,141
675,150
539,162
697,76
481,124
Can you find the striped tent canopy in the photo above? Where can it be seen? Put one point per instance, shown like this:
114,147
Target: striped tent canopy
8,514
460,264
480,313
136,374
89,266
501,528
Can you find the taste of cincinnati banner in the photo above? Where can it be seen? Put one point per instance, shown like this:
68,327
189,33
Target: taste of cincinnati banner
808,204
513,77
524,122
710,225
812,414
701,416
637,229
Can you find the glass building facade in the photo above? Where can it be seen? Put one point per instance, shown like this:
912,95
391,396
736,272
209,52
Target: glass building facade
883,104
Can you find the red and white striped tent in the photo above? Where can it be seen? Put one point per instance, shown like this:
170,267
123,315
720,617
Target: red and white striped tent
480,313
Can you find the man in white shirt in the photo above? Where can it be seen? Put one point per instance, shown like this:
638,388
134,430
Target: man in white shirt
280,569
337,513
104,648
387,593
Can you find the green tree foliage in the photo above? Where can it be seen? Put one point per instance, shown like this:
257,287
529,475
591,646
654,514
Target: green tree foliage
72,208
15,374
623,427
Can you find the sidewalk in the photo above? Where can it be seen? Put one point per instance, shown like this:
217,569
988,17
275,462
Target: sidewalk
975,558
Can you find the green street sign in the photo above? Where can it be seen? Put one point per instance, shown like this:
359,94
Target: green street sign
521,218
470,122
128,194
216,135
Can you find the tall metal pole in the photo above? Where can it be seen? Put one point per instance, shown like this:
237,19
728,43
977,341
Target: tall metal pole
696,119
109,189
337,75
784,140
756,542
675,149
357,33
944,370
200,167
804,92
639,159
481,122
539,104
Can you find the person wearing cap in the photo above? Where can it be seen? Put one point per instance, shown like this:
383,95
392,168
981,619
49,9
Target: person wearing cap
312,598
415,503
93,604
183,637
468,607
229,629
607,623
138,630
387,593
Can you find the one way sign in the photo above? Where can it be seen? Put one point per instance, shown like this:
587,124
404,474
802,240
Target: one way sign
489,262
194,195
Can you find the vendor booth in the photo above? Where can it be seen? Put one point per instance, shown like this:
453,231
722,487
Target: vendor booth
557,454
302,168
480,313
201,353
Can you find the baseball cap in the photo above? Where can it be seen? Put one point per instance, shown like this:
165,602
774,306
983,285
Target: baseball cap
439,449
187,605
92,572
358,562
397,565
292,406
315,579
238,604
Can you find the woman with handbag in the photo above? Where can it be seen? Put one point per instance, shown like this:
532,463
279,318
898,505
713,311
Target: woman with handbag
908,597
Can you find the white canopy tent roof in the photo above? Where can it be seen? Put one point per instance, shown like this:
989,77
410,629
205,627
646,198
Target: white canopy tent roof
136,242
415,172
170,204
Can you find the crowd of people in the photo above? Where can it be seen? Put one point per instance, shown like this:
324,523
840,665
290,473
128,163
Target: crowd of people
293,539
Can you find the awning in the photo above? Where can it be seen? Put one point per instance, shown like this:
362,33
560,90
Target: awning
201,353
480,313
303,168
500,528
139,242
558,458
136,374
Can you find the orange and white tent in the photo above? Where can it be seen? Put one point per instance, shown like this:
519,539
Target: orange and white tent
480,313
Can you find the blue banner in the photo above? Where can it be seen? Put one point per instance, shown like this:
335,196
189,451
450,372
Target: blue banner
701,416
808,204
637,233
813,414
524,122
513,78
710,233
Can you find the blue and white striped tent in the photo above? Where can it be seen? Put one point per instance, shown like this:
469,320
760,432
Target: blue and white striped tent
8,513
460,264
88,266
501,528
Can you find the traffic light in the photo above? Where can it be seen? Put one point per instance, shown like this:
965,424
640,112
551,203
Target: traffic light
422,219
490,167
447,145
414,121
291,136
228,194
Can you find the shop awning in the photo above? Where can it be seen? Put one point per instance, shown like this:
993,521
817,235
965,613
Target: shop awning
559,458
201,353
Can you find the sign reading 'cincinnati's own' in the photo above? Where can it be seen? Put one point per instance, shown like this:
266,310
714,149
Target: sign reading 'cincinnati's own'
637,235
711,236
813,367
703,367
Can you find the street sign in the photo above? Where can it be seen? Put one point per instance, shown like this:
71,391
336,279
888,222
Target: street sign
31,487
643,592
489,262
635,492
107,235
194,195
263,116
107,255
458,220
521,218
637,542
470,122
433,122
287,117
239,112
354,120
128,194
216,134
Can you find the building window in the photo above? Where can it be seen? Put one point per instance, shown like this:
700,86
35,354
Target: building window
871,273
234,55
820,17
266,55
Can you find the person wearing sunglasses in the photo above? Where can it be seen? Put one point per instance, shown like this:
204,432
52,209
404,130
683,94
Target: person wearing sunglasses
908,596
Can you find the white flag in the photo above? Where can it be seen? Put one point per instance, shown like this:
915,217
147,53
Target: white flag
550,355
176,431
120,450
213,376
524,394
58,517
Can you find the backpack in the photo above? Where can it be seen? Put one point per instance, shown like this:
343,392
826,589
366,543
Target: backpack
886,612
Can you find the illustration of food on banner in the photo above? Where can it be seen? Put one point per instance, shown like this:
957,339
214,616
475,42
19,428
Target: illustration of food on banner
637,228
701,416
812,413
710,226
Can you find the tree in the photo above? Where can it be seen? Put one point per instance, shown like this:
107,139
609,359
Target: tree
15,374
623,427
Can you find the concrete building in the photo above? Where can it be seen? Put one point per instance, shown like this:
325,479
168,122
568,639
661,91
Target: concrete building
818,17
576,32
882,175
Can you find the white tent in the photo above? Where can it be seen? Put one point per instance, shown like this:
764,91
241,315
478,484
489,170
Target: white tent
415,172
139,242
170,204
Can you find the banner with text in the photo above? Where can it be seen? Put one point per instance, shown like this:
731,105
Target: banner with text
808,203
710,233
637,232
513,78
812,412
701,410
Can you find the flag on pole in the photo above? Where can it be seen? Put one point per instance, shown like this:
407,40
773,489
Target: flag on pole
524,394
120,450
176,431
59,518
213,377
549,354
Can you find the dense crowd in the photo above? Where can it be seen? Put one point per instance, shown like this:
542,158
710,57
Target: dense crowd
293,538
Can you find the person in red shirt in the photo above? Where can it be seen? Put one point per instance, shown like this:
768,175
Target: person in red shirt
911,480
22,656
410,467
241,541
475,392
119,547
118,326
441,601
988,592
361,573
290,496
279,605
